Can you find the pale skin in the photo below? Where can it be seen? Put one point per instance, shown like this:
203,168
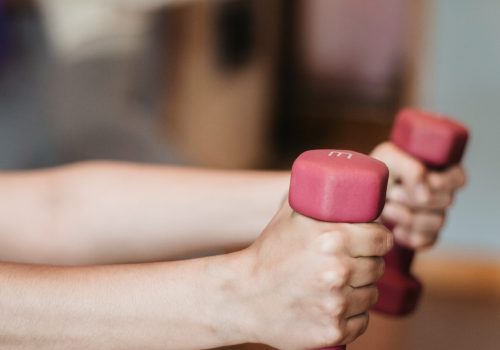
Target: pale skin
103,212
417,198
302,284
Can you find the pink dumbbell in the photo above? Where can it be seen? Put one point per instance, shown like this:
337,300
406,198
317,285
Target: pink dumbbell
438,142
338,186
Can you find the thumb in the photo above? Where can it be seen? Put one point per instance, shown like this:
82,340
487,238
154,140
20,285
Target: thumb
404,169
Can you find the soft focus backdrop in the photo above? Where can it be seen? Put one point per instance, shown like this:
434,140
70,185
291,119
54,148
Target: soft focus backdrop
252,83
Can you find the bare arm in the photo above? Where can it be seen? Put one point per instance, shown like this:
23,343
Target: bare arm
102,212
183,305
301,285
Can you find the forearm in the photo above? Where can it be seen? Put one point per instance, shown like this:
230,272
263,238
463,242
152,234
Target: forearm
117,212
183,305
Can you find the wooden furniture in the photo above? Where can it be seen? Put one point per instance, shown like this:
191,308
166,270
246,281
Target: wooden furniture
221,88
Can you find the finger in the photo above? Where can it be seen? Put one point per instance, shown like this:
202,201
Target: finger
403,167
397,214
402,236
398,193
366,271
344,331
336,276
414,229
424,239
448,180
437,200
361,299
354,327
415,240
372,239
331,242
428,221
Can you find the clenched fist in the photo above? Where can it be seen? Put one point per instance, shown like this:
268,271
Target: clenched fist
417,198
310,283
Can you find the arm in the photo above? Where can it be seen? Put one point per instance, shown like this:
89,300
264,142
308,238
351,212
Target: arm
299,275
101,212
149,306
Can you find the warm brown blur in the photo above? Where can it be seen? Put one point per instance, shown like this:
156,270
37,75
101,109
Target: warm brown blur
250,84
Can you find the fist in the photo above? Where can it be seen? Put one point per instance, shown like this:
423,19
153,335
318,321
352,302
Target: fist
417,198
311,283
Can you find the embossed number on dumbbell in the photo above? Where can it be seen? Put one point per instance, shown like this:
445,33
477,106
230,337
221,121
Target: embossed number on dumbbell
340,154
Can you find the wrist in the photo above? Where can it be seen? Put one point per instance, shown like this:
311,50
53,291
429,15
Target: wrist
230,308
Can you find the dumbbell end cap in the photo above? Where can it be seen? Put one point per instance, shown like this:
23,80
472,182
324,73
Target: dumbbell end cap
338,186
436,140
399,293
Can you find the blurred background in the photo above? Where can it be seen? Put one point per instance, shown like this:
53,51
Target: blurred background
252,83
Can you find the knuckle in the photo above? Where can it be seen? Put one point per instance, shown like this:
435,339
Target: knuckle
344,274
333,278
329,306
341,264
335,307
343,236
332,335
337,275
328,242
340,307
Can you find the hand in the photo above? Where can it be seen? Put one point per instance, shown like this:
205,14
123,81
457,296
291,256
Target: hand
312,283
417,198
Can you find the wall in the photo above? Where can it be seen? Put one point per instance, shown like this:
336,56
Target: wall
461,77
